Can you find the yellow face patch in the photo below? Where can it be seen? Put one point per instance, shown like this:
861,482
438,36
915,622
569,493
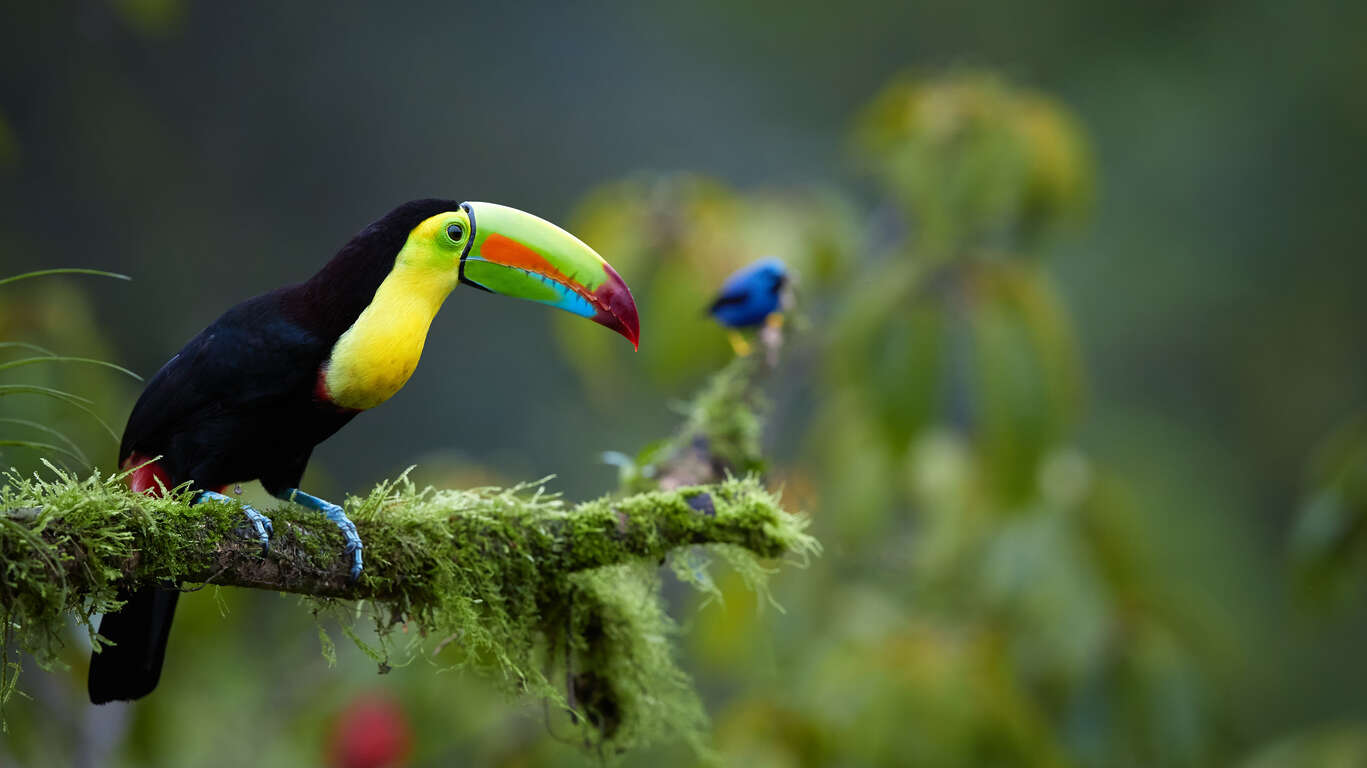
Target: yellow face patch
379,352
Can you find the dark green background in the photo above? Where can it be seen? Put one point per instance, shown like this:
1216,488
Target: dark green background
216,150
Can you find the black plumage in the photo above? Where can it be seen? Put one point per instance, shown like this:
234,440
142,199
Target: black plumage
240,402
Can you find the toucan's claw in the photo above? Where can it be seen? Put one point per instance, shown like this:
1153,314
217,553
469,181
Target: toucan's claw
353,541
263,527
260,523
337,515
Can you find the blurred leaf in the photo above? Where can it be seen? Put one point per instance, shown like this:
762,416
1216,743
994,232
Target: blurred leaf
860,487
66,359
61,271
69,445
1333,746
152,18
1058,187
1027,387
1329,540
973,162
42,315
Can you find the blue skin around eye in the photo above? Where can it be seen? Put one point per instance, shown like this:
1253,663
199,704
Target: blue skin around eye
750,294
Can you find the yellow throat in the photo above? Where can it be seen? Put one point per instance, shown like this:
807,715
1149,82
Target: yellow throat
375,357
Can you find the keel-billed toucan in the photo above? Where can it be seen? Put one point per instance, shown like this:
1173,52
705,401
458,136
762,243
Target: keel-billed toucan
252,394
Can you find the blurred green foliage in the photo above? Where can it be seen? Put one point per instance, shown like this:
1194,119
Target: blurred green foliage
52,351
151,18
993,594
1335,746
976,162
989,597
1329,542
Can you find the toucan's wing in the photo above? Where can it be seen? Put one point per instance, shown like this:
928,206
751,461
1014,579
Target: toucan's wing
252,355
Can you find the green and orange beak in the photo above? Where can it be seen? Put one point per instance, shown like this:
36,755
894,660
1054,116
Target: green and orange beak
514,253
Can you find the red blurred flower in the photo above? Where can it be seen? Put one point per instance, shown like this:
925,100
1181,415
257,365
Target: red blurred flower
371,732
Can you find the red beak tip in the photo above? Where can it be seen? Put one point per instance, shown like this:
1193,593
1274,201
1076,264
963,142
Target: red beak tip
618,309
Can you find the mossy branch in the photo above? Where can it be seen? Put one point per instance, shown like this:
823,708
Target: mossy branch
720,436
555,600
58,536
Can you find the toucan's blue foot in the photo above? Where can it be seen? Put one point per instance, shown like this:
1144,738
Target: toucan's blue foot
337,515
260,523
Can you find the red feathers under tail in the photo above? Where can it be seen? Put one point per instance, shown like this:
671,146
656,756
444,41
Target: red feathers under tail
144,478
131,667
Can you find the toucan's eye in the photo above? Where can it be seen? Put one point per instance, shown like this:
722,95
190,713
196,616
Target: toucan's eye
455,232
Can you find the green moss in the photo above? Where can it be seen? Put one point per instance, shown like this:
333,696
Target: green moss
723,426
727,414
554,600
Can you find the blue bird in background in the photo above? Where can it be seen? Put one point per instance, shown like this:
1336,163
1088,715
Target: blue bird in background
752,296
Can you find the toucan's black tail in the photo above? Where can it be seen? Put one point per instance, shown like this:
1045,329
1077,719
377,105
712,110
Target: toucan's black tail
130,668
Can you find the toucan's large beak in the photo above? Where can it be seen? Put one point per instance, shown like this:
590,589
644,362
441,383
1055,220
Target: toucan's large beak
517,254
